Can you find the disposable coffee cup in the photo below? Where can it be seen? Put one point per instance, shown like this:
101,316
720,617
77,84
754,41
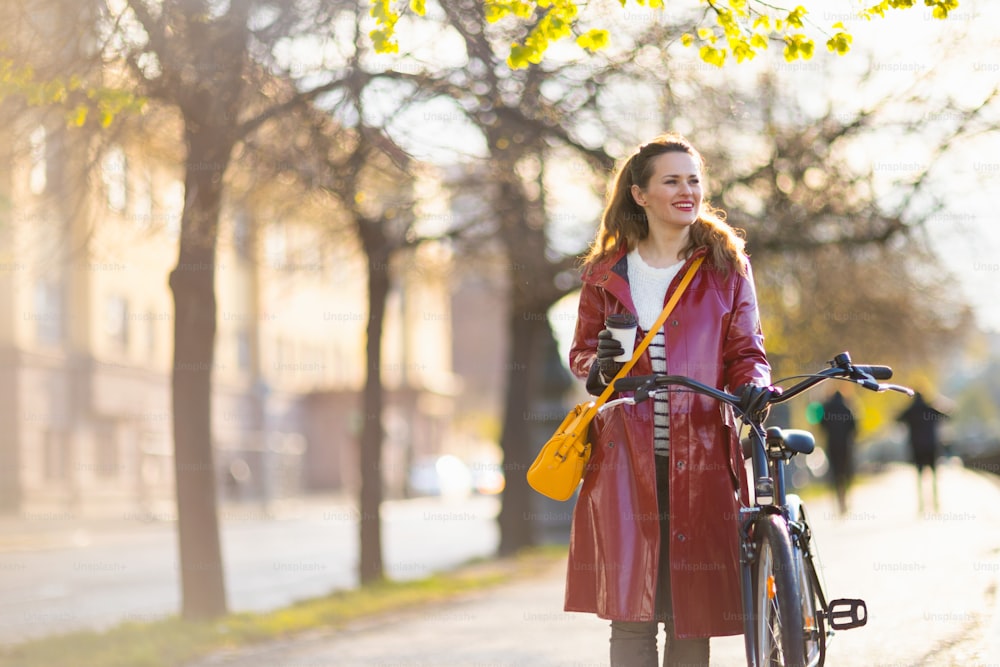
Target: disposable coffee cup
623,327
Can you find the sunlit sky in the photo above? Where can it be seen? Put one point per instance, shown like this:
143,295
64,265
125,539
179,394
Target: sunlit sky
959,57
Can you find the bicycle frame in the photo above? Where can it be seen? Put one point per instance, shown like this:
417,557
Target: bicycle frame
770,450
770,496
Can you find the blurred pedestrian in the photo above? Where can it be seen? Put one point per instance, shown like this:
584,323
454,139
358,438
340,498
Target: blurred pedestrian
922,420
839,425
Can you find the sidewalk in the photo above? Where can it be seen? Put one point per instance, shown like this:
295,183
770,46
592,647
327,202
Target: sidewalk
520,624
930,581
39,529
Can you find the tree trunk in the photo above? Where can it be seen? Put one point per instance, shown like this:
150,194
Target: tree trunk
520,427
192,282
372,431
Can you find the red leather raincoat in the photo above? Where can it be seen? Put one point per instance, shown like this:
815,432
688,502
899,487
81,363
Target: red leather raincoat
713,335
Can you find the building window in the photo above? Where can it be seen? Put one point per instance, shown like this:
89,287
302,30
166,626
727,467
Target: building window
48,313
114,175
116,321
38,174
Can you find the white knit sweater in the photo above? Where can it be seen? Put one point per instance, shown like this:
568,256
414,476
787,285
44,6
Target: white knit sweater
649,290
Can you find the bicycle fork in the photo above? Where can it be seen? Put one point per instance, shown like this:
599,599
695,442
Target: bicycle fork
748,555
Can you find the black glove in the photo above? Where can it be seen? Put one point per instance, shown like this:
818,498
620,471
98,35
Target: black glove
595,386
607,349
754,400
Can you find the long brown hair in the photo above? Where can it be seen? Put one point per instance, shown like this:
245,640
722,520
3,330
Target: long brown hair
624,222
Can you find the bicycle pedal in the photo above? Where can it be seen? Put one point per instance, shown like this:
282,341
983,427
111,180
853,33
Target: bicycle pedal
847,613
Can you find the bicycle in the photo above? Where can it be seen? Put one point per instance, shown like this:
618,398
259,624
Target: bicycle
787,620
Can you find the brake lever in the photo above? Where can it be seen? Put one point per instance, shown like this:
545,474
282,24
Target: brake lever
897,387
642,392
864,379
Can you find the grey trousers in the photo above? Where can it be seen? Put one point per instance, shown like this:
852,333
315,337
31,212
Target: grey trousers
633,644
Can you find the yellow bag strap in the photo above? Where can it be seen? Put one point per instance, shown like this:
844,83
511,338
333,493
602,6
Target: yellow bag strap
648,338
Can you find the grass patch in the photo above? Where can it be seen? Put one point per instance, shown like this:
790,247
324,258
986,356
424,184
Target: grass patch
173,642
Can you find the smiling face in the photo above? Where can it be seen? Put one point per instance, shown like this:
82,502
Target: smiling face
673,194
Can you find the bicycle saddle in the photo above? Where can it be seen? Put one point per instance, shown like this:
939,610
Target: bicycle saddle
792,439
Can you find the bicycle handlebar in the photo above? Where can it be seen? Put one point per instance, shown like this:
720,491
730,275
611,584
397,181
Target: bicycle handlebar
840,368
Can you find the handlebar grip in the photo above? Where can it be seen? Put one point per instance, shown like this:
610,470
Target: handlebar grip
632,383
877,372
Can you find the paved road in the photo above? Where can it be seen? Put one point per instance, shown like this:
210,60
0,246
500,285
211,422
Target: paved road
931,582
58,575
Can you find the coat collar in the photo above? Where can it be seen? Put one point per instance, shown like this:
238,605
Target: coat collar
611,274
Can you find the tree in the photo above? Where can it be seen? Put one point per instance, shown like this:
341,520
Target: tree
352,165
208,61
524,121
220,68
742,28
67,80
366,181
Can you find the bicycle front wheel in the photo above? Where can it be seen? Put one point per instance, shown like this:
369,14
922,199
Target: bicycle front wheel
777,606
814,635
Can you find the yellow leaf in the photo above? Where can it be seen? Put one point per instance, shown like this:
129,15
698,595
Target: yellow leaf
794,17
419,7
741,49
494,13
593,40
712,56
518,57
687,39
79,116
841,43
382,41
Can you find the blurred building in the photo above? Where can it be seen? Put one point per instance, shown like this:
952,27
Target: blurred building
88,236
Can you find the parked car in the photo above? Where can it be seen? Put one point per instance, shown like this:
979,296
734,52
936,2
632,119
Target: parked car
445,476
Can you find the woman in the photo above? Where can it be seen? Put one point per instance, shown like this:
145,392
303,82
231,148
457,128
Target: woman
654,535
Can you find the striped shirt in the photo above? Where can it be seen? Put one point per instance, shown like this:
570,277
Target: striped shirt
649,290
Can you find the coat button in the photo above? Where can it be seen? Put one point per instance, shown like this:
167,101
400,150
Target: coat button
611,444
680,465
681,537
675,323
